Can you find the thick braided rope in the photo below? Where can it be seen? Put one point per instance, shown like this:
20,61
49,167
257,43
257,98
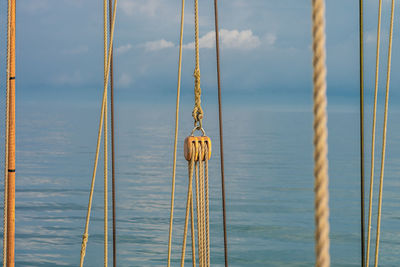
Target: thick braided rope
197,110
85,234
192,231
5,215
378,226
320,137
188,206
202,203
178,90
199,235
207,206
371,184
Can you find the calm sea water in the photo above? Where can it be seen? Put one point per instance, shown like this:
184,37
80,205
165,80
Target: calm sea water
269,186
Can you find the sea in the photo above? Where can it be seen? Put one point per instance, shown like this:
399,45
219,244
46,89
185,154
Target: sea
269,185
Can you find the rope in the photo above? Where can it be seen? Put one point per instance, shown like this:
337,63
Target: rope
192,230
362,178
320,137
114,223
5,214
188,207
378,227
221,135
197,110
371,184
85,234
202,202
176,134
207,206
105,141
198,209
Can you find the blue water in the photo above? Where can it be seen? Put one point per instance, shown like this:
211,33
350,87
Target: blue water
269,186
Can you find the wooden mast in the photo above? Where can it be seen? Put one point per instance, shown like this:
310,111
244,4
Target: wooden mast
11,142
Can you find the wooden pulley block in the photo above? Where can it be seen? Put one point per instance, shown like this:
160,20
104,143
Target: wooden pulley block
198,141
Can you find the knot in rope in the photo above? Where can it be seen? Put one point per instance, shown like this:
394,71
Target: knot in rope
197,110
85,238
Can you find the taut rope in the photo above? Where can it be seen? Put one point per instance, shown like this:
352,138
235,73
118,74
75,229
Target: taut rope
320,137
371,183
178,92
362,177
378,227
221,132
5,217
102,117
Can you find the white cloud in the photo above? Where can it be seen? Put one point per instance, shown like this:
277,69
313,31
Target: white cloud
158,45
146,7
125,80
270,39
235,39
123,49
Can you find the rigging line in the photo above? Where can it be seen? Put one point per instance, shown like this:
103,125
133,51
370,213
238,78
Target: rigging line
114,223
5,217
320,137
188,206
192,231
197,110
221,135
207,204
198,210
362,178
371,184
85,235
378,226
106,59
178,90
202,202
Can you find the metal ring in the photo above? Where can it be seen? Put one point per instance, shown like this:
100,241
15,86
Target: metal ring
200,129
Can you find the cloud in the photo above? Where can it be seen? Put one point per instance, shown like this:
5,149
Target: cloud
158,45
146,7
123,49
270,39
234,39
125,80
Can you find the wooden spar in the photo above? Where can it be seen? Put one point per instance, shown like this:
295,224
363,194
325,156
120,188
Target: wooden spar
11,142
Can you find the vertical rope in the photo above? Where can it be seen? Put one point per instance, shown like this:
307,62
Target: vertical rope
197,110
86,234
5,217
221,135
320,137
188,205
199,235
362,179
105,140
192,231
114,223
207,206
378,227
178,92
202,201
371,184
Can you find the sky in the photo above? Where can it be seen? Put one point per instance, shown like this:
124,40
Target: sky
265,50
